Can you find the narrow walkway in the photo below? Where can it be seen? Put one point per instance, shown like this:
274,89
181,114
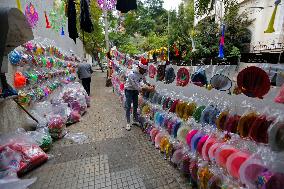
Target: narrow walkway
111,157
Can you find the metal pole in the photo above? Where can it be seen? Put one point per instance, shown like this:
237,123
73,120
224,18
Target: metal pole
168,35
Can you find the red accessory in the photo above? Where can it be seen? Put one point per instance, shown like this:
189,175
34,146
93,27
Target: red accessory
234,163
280,97
176,50
201,144
47,21
189,137
222,154
259,129
183,76
232,123
253,82
19,80
152,71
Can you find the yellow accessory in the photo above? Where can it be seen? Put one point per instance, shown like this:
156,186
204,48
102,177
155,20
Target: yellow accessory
164,143
189,110
221,120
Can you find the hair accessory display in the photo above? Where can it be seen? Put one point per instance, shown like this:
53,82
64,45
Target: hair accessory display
170,75
201,144
31,15
198,112
259,129
223,153
209,115
189,137
183,77
232,123
19,80
253,82
161,72
234,163
269,180
280,97
195,140
199,78
207,145
182,133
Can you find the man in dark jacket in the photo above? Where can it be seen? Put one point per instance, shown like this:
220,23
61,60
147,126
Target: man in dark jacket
85,74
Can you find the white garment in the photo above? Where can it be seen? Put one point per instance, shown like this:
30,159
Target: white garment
135,80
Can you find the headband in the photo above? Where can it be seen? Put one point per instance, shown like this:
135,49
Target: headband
170,126
173,106
221,82
259,129
221,120
195,140
276,136
223,153
189,137
197,113
165,104
234,163
153,133
201,144
245,123
183,77
161,72
182,132
170,75
207,145
212,151
199,78
232,123
180,109
176,127
209,115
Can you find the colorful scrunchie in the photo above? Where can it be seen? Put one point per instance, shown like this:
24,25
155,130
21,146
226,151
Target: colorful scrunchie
208,144
259,129
232,123
197,113
201,143
158,139
171,126
245,123
173,106
234,163
176,126
223,153
221,120
170,103
183,77
212,151
276,136
195,140
182,132
270,180
189,110
170,75
169,150
152,71
209,115
189,137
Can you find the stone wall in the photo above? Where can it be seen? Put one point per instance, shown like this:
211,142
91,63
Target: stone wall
11,116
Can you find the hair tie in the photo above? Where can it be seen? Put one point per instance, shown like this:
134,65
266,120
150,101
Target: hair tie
245,123
195,140
221,120
170,75
177,156
189,110
161,72
174,105
269,180
253,82
189,137
207,145
197,113
276,136
158,139
183,77
212,151
232,123
234,163
201,144
209,115
193,168
182,132
250,170
221,82
259,129
215,182
176,126
152,71
223,153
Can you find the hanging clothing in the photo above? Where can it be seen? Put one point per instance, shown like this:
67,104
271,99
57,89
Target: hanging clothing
72,28
85,17
125,6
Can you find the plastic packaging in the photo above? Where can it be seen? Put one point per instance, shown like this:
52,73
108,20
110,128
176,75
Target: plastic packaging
276,135
79,138
234,163
222,154
56,126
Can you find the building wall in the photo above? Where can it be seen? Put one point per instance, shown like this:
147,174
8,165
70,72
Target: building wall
11,116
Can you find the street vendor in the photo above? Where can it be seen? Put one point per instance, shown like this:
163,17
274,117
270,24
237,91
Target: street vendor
135,83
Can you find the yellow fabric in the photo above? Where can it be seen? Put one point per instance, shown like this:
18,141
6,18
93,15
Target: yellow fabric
19,5
270,28
189,110
164,143
220,121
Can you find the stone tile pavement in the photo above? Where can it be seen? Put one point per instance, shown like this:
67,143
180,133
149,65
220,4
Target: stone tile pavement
111,157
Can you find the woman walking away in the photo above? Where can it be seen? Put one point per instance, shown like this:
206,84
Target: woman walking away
135,83
85,74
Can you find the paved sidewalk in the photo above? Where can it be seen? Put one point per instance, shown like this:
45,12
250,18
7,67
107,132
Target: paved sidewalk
111,157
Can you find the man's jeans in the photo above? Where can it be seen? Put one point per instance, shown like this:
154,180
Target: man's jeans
131,97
